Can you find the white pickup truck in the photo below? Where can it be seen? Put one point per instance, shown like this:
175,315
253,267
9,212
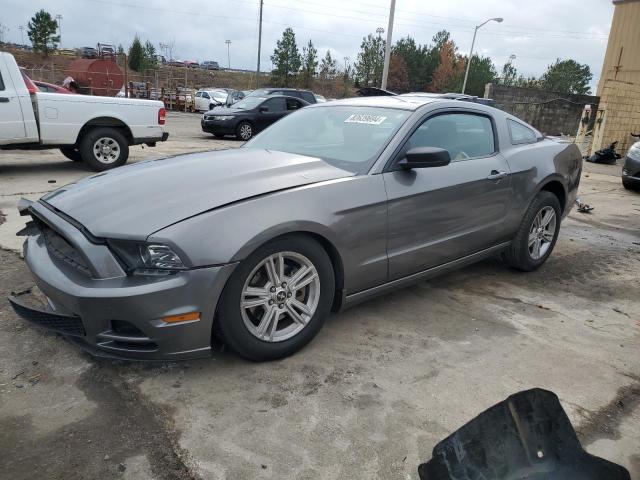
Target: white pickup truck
96,130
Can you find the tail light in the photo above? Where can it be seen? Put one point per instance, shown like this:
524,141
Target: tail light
31,87
162,113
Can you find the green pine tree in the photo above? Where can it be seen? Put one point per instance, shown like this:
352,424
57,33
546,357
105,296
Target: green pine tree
42,32
286,59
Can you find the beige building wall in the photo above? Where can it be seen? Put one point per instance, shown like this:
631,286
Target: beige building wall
619,85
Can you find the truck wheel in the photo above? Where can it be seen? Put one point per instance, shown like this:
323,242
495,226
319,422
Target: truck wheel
71,153
104,148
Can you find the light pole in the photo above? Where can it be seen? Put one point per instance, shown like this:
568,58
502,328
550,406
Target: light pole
259,45
228,42
59,19
466,74
387,49
21,28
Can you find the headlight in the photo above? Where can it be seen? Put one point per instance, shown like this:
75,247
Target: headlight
147,258
222,117
634,151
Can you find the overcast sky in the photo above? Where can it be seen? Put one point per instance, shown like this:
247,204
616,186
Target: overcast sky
535,31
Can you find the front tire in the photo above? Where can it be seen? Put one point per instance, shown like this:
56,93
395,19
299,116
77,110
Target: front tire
537,234
104,148
277,299
244,131
71,153
629,185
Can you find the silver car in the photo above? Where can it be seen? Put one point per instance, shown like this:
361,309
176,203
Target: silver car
334,204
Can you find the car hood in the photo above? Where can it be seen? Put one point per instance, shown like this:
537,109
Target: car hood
139,199
226,111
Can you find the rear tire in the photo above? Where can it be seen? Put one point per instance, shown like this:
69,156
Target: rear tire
104,148
537,234
253,315
71,153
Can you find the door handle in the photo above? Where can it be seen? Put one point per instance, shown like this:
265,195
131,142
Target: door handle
4,100
496,175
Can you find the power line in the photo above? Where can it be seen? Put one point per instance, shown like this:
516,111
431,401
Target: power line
520,33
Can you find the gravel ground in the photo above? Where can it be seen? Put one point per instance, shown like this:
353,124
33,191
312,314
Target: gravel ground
370,397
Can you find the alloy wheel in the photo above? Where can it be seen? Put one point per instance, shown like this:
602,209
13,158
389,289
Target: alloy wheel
245,131
280,296
542,232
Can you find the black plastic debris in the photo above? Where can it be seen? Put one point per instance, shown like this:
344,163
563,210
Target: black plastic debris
527,436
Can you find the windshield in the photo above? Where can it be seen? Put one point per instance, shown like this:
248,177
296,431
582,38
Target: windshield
347,137
219,95
248,103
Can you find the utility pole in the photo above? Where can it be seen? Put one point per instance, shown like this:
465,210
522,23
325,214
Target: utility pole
259,45
21,28
228,42
3,29
59,19
387,50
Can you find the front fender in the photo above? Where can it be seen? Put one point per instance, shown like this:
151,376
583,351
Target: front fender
349,213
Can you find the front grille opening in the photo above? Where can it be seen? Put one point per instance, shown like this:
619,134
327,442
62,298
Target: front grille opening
144,347
122,327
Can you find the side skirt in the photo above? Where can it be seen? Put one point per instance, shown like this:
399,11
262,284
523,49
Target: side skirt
364,295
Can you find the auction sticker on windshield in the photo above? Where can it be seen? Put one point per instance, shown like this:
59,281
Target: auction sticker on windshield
366,119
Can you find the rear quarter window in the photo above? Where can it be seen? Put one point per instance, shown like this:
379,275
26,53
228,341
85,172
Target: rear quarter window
520,133
1,82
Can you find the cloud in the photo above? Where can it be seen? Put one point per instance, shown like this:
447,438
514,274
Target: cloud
536,32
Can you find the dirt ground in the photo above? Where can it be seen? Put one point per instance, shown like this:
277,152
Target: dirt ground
369,397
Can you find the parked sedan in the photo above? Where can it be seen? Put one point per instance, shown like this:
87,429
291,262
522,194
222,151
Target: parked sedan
51,88
330,206
631,168
207,99
248,116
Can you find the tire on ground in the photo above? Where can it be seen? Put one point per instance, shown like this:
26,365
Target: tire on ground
629,185
240,133
87,148
230,324
71,153
518,255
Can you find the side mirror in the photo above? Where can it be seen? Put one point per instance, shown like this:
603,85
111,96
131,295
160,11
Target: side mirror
263,109
425,157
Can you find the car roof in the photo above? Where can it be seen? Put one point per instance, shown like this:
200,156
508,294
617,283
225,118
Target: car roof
395,101
284,89
282,96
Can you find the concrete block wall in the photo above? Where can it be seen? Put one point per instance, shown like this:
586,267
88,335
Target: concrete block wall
621,102
550,112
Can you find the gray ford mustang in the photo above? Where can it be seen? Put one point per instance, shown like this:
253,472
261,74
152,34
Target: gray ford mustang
333,204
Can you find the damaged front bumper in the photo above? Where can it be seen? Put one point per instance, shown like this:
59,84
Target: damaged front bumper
111,313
